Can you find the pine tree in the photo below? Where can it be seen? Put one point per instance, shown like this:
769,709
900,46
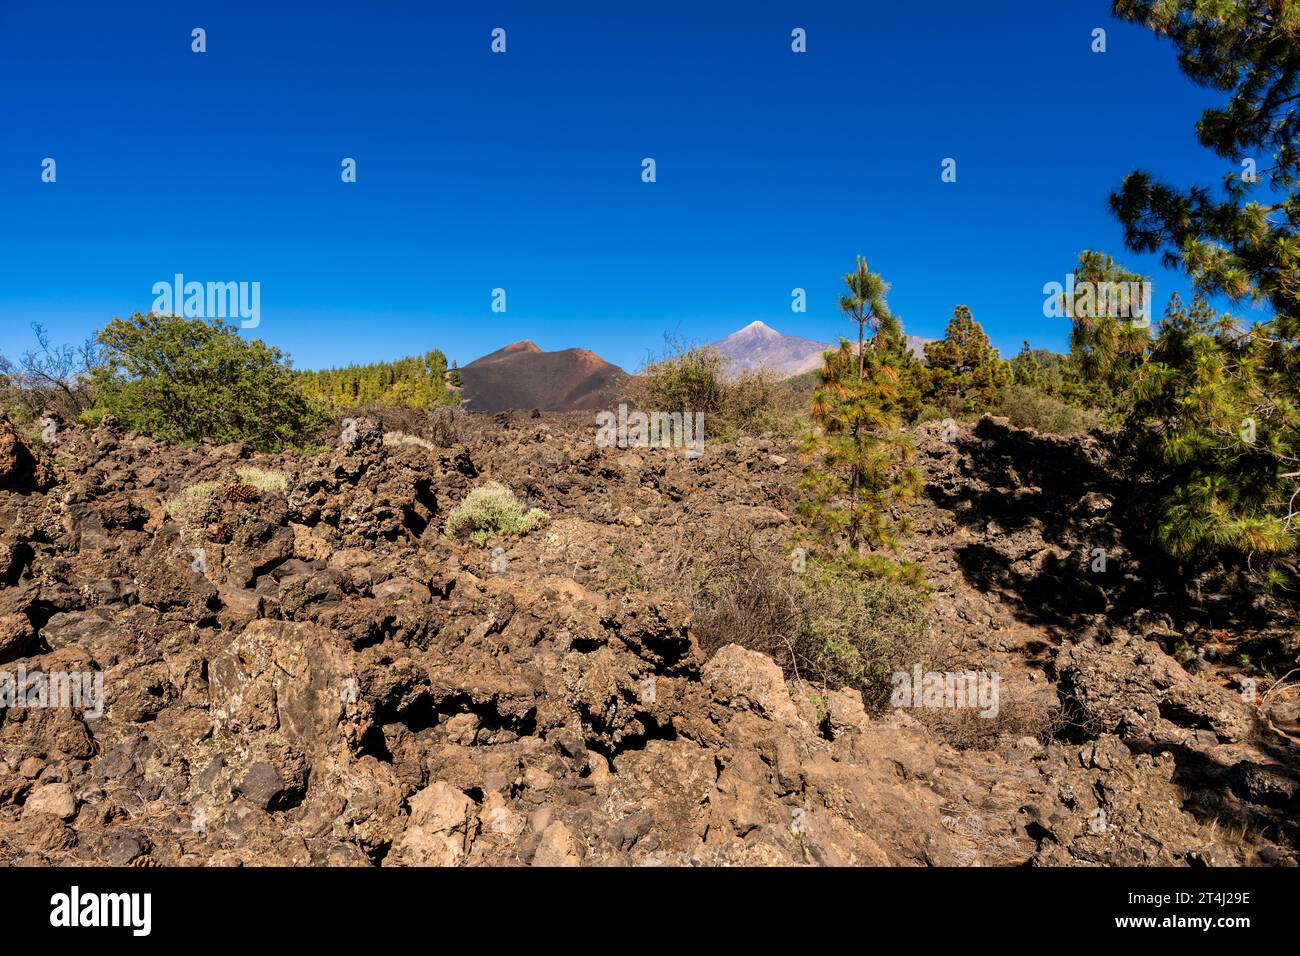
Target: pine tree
963,366
1237,245
1109,333
1030,368
1215,412
860,447
1203,435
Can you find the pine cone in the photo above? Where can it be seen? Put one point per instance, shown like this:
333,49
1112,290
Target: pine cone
241,492
220,532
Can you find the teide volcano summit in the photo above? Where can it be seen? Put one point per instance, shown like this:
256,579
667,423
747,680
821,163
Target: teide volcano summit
758,345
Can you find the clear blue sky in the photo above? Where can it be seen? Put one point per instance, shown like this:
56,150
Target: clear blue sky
523,170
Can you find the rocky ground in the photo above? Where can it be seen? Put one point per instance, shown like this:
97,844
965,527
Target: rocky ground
319,676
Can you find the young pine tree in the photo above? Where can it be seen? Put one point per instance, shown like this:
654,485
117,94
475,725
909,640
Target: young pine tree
861,453
963,368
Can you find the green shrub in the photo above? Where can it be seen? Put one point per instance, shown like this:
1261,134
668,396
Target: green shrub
687,379
863,628
492,510
833,625
189,505
264,481
1027,407
188,380
939,408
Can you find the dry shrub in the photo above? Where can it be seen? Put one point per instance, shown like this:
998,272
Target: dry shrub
1028,407
446,426
262,480
403,440
190,505
1017,717
694,379
742,597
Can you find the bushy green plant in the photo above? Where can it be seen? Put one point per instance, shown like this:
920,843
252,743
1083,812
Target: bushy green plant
1028,407
863,628
187,380
492,511
686,379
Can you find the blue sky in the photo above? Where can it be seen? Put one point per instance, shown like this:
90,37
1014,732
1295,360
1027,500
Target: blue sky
522,170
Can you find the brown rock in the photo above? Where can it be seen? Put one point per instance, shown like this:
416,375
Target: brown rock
55,799
20,468
747,680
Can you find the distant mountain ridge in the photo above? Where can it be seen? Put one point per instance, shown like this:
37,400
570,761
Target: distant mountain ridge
758,346
522,376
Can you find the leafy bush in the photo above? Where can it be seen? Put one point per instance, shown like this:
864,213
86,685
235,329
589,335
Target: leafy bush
686,379
264,481
188,380
492,510
939,408
863,629
1027,407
